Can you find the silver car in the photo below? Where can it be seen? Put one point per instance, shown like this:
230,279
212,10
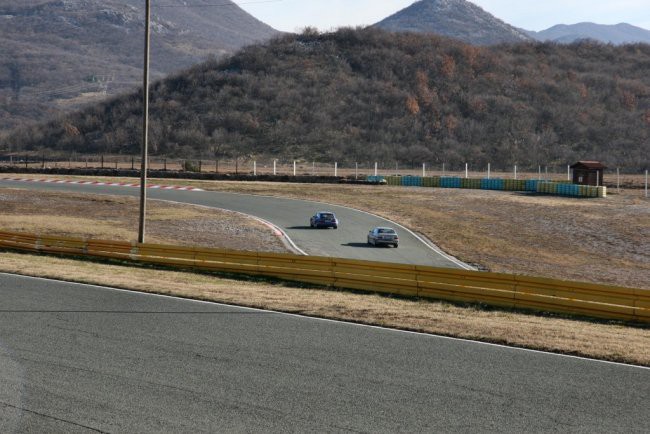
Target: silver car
383,236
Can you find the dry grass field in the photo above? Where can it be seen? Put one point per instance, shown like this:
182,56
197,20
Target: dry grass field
594,240
602,240
116,218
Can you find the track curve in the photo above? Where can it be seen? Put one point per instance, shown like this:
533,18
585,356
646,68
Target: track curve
292,216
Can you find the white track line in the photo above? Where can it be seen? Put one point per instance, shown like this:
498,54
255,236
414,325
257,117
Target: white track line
107,184
352,324
290,244
427,243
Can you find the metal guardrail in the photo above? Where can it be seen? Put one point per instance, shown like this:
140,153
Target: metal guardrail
496,289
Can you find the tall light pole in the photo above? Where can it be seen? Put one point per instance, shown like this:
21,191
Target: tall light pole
145,122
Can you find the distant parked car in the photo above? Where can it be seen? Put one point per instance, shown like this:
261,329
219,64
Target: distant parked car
324,219
383,236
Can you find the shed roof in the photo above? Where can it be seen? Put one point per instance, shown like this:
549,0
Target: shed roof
589,165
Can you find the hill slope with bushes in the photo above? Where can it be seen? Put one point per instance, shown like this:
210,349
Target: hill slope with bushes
57,55
369,95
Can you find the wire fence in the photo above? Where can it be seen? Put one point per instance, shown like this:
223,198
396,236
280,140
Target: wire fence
616,178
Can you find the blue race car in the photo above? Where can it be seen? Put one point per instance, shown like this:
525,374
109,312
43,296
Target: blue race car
324,219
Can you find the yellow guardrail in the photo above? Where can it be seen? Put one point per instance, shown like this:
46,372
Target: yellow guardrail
496,289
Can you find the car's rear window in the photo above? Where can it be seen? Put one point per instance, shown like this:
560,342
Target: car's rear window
327,216
386,231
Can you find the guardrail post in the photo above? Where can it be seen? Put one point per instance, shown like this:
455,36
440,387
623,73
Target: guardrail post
133,253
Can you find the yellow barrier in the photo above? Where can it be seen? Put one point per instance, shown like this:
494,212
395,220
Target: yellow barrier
513,291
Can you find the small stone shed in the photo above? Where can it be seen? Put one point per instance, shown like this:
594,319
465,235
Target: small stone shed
588,173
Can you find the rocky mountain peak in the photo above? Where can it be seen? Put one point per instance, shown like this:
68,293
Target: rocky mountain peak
458,19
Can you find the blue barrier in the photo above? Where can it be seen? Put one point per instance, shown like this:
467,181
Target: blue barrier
568,190
492,184
450,182
531,185
412,181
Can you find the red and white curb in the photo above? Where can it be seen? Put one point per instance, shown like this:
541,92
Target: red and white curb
99,183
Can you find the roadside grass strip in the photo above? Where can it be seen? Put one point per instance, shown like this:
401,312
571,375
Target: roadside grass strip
106,184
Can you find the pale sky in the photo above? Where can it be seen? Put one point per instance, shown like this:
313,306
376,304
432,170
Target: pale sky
293,15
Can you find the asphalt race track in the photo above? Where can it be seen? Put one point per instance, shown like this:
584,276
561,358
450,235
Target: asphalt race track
77,358
292,216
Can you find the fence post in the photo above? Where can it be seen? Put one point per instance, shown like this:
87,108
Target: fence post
443,169
375,168
488,170
424,170
274,166
336,169
539,173
466,170
618,180
568,173
254,168
356,170
515,171
646,183
294,167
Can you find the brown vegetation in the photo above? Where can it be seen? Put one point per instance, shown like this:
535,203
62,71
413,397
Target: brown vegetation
368,95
